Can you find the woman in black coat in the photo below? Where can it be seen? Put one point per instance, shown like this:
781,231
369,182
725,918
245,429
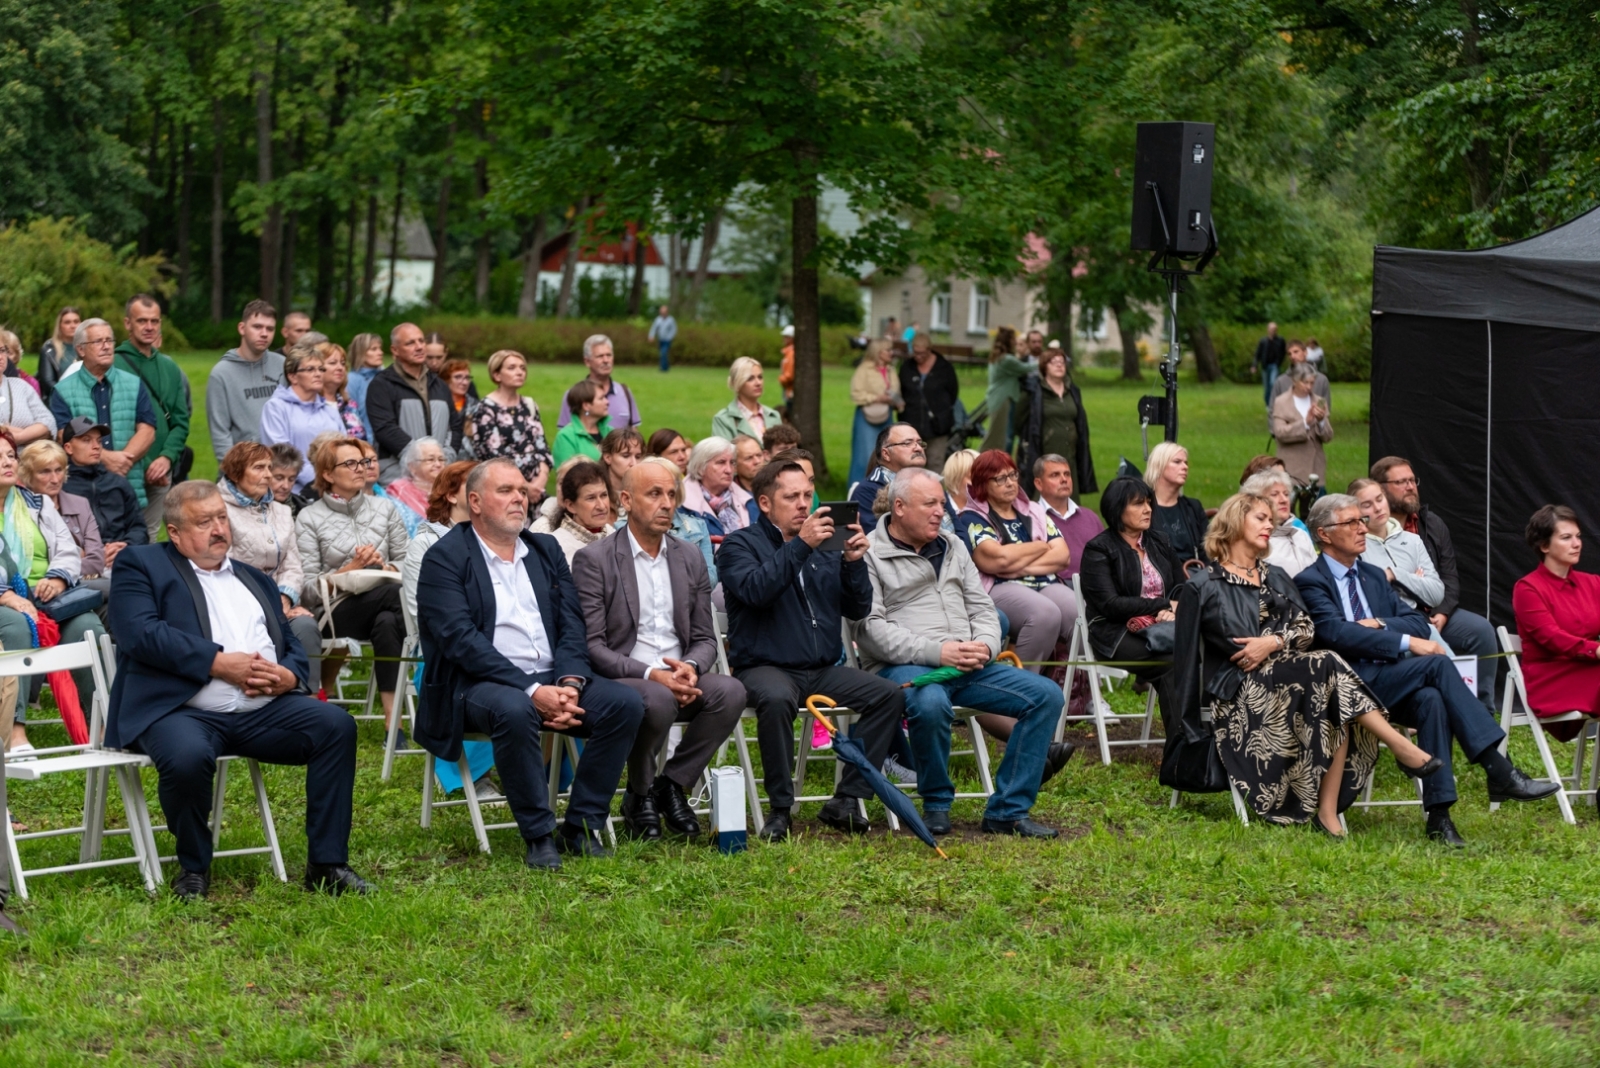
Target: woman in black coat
1128,574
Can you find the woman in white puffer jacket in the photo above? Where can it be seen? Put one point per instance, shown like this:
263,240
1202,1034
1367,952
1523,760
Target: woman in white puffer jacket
349,530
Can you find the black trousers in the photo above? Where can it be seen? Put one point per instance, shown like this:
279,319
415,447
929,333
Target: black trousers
1426,692
506,714
376,617
711,717
292,729
777,695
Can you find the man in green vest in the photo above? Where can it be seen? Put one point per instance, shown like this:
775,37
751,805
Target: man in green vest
111,397
169,393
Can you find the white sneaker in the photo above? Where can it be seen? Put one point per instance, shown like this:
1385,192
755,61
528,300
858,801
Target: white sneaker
898,772
20,752
487,794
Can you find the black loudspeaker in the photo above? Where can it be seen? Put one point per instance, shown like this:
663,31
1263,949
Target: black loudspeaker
1176,158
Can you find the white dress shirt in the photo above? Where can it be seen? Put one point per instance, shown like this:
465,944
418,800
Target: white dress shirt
239,625
657,638
519,631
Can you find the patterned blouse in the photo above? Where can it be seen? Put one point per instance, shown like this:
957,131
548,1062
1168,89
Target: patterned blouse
515,433
350,415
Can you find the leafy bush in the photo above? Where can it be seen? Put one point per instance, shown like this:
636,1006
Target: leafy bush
47,264
1346,344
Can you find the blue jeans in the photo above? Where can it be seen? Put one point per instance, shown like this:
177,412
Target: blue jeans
1032,700
863,436
666,350
1269,378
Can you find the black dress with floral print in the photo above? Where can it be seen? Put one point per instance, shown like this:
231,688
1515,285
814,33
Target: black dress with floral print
516,434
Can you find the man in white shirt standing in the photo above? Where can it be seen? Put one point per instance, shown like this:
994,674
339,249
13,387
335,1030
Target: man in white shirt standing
506,654
646,599
207,666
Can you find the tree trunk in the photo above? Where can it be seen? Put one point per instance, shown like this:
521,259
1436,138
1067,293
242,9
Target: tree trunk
569,265
672,273
641,251
272,222
1130,343
485,264
807,407
369,271
708,242
441,228
528,299
327,255
218,130
1207,366
394,234
1058,299
152,157
185,216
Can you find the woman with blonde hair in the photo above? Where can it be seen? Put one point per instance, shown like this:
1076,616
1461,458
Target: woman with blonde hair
957,472
43,469
22,411
58,353
874,392
1296,728
336,389
366,360
745,414
1182,519
507,424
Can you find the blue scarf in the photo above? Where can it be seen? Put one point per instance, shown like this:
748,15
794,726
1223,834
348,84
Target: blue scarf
261,503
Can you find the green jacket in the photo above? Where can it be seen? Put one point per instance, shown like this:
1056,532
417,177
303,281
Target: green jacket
165,383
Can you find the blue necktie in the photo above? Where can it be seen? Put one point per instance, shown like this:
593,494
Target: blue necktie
1354,584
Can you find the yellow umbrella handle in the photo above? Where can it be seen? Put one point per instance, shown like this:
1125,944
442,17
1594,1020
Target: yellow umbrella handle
1008,657
811,706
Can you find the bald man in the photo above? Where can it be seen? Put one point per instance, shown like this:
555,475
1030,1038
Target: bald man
646,600
406,401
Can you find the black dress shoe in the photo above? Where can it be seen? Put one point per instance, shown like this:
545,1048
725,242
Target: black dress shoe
1055,759
1442,829
674,807
336,879
580,843
1023,828
844,814
776,829
937,821
639,817
1518,787
542,855
191,885
1433,765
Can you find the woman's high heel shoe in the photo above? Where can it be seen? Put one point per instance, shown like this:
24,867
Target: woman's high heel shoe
1322,828
1433,765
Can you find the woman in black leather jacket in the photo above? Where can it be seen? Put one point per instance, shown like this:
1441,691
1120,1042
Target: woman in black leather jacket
1286,716
1128,574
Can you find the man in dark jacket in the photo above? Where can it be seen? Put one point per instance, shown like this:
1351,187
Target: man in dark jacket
169,393
899,447
1270,352
110,496
406,401
1465,632
928,384
785,602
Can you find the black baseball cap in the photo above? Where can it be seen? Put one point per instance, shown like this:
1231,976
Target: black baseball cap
81,425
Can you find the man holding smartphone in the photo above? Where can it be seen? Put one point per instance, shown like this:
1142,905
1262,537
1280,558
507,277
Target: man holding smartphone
786,598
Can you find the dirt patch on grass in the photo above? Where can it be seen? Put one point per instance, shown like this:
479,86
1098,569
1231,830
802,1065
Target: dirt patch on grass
831,1024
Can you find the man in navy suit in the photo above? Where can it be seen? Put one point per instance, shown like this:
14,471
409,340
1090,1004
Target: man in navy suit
207,666
1358,616
507,655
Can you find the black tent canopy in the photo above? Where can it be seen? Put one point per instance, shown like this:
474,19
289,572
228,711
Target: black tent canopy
1486,376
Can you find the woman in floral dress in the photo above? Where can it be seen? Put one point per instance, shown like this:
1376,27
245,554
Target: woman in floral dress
506,424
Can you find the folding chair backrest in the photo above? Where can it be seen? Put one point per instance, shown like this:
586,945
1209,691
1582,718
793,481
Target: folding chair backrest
72,656
719,626
105,674
1511,645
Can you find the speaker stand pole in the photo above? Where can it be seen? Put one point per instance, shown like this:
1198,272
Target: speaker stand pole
1169,367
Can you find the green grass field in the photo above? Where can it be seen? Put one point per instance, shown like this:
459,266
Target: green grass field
1144,936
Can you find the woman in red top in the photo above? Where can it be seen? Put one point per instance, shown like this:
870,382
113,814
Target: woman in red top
1558,618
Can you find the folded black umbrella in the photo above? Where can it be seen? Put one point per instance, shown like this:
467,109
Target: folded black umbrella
894,799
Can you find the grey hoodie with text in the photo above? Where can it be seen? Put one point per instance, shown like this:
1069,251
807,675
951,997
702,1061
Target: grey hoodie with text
236,391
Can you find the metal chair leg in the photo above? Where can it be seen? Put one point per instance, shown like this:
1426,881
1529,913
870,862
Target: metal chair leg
268,827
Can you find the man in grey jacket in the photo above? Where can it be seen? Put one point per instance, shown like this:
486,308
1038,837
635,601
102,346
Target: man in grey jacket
243,380
929,610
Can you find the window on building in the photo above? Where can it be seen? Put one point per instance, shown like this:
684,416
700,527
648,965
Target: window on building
978,311
940,317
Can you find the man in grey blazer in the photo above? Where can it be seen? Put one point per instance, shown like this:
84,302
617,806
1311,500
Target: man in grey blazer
646,601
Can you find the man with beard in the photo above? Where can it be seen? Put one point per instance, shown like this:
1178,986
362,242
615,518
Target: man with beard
1465,632
507,656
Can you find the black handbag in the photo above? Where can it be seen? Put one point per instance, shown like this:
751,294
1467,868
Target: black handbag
1189,760
73,602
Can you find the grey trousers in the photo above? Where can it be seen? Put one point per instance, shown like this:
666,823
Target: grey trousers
711,719
155,509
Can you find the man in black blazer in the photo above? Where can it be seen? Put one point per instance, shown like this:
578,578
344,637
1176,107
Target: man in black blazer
207,666
1358,616
507,656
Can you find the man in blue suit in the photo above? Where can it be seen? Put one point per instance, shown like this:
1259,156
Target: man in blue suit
508,656
1385,641
207,666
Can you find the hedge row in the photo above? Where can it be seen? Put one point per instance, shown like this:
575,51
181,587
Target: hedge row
1346,345
561,340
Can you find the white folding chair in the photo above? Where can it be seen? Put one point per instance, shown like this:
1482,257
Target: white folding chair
470,801
368,687
1101,677
97,764
405,704
105,675
1516,687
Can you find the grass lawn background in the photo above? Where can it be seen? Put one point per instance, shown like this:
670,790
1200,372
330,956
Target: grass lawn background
1145,936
